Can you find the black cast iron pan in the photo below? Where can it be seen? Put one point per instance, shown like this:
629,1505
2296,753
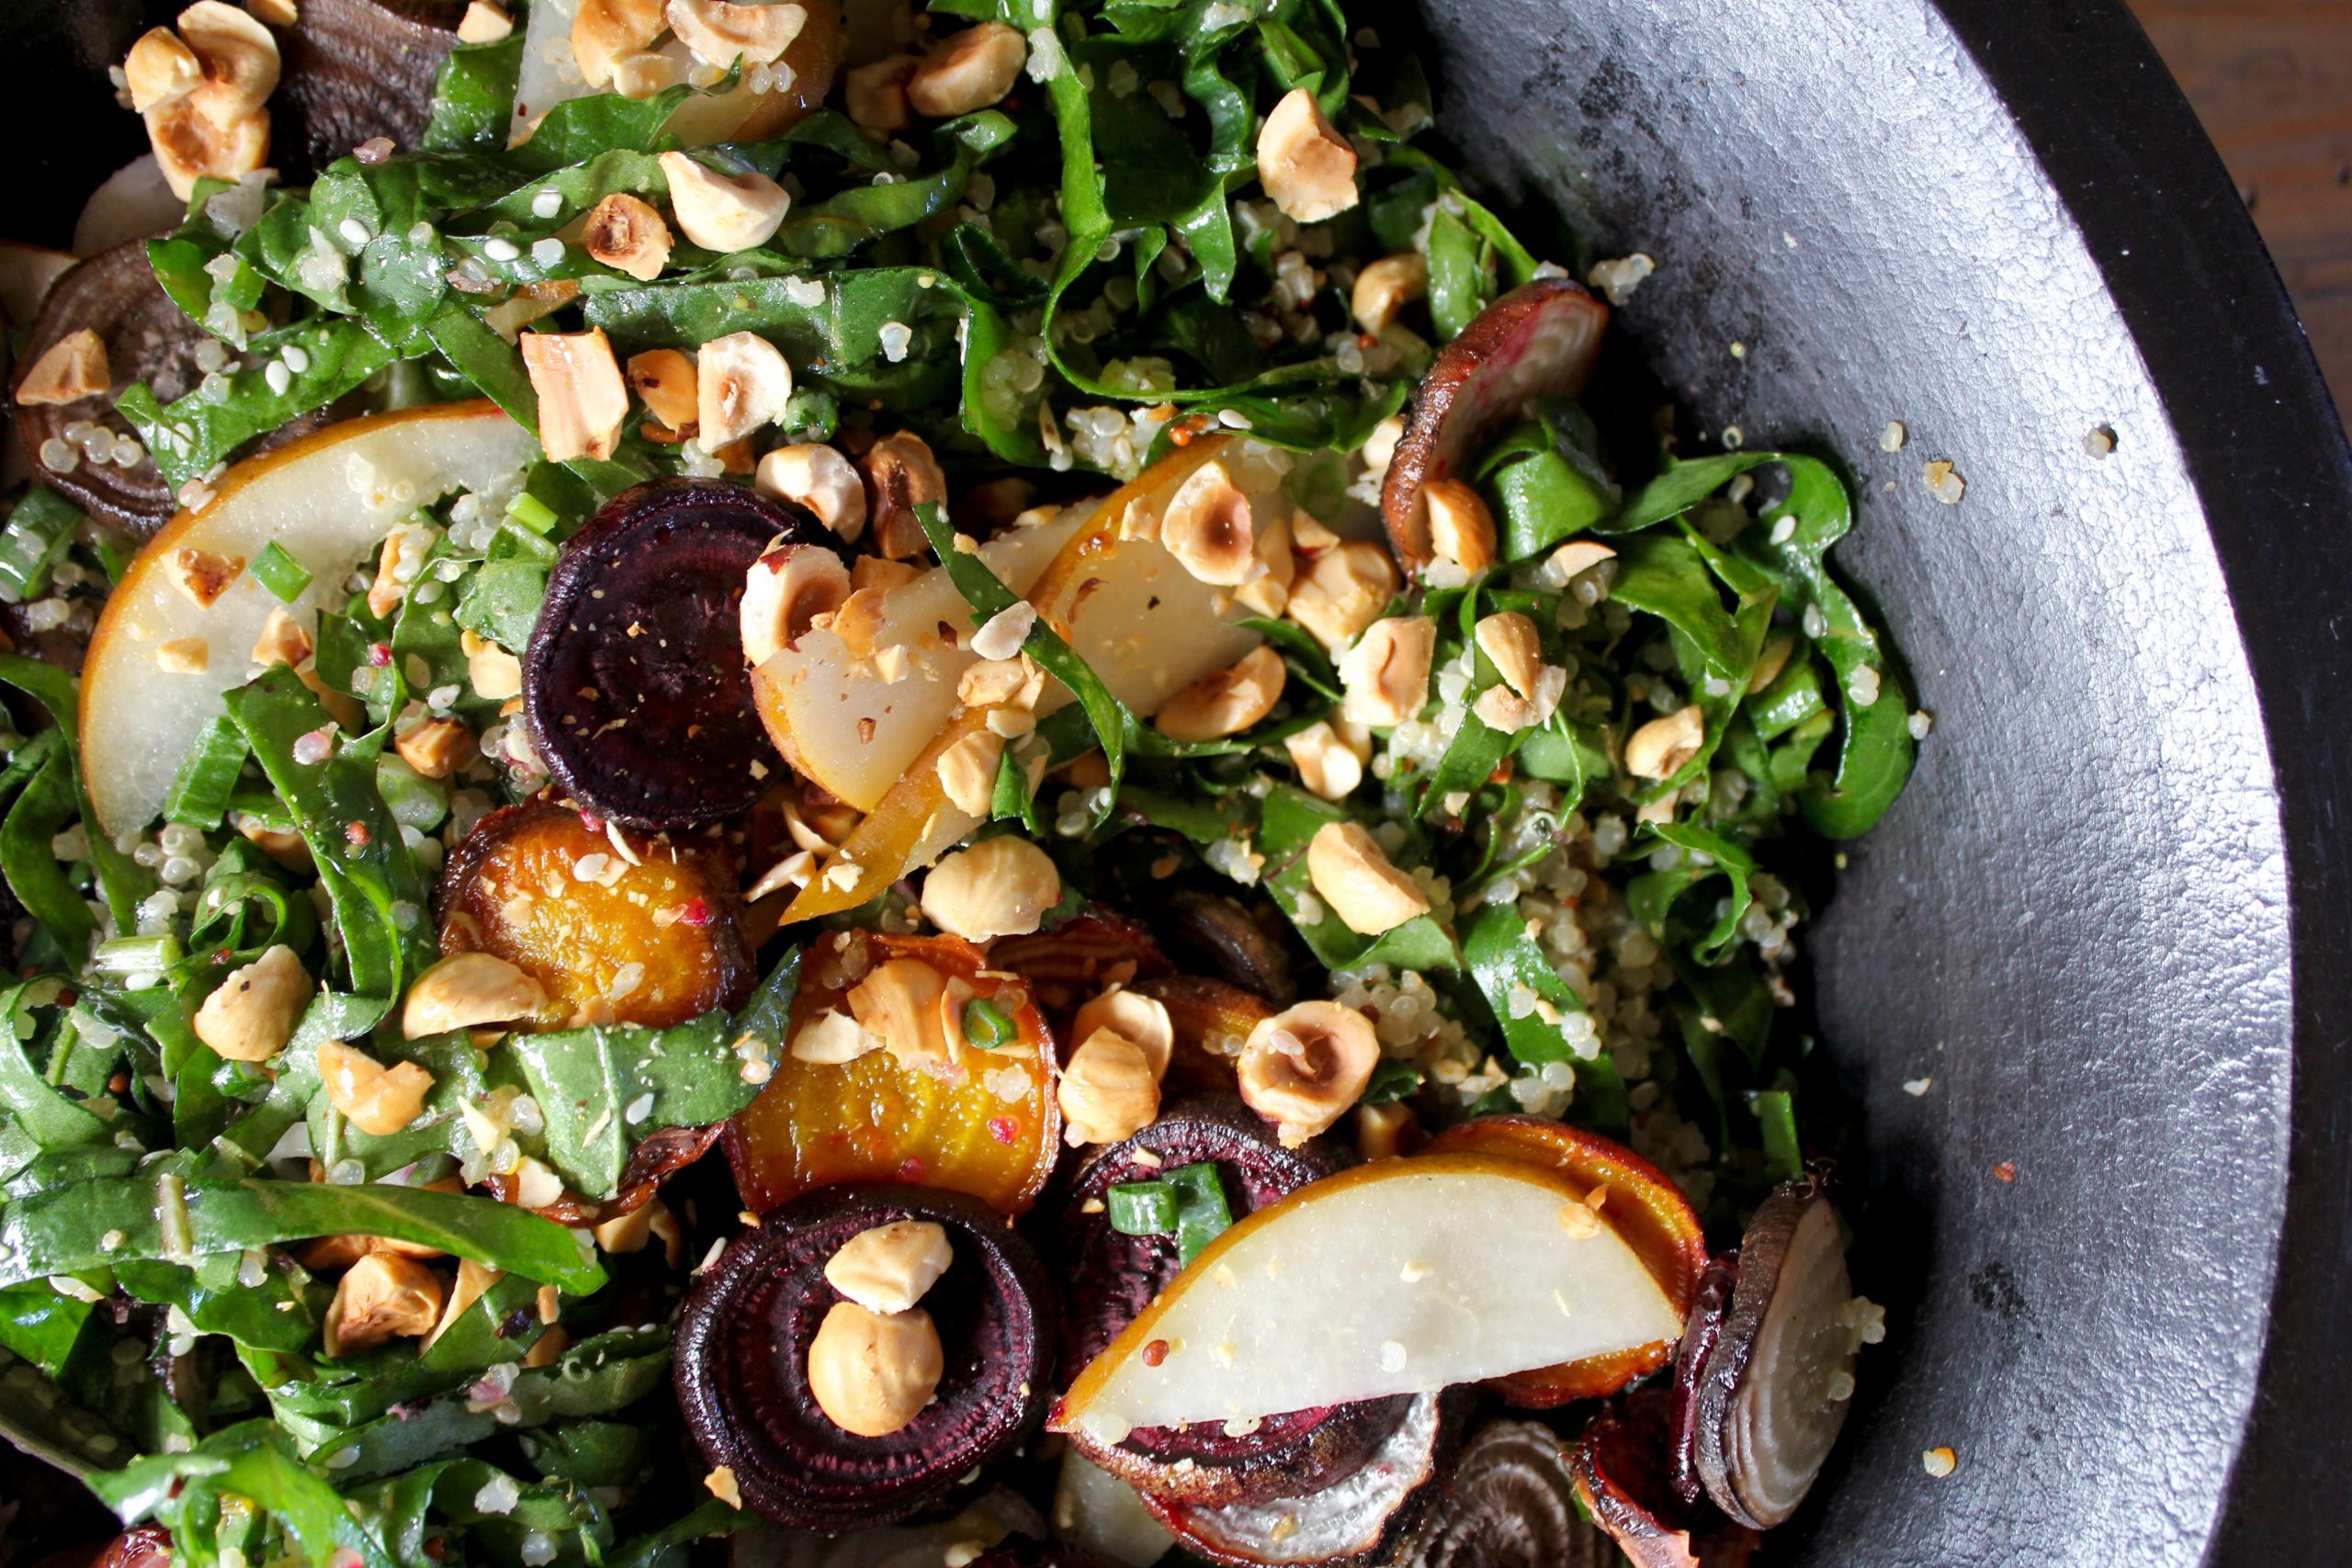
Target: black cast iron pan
2111,921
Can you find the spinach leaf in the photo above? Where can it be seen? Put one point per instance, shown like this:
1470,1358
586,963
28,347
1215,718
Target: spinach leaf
473,101
60,1232
1292,817
192,434
1705,856
601,1088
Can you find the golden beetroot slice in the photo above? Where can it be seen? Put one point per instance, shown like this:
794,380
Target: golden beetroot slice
1641,1204
656,942
941,1114
1539,340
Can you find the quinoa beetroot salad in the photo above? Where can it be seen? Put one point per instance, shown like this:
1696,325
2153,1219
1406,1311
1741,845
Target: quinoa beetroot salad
854,784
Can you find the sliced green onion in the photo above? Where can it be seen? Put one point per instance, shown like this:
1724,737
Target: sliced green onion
532,513
280,573
136,954
986,1026
1143,1208
1202,1212
208,775
1776,1115
114,554
40,531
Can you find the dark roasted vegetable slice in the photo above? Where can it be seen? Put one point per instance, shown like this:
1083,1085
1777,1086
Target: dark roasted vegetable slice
1702,1329
1218,934
1350,1520
1620,1468
1113,1275
634,684
1774,1392
148,339
742,1361
356,69
1509,1503
1539,340
657,944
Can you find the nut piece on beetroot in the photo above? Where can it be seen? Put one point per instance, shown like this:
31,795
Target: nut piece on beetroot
1774,1391
1539,340
758,1407
634,684
657,942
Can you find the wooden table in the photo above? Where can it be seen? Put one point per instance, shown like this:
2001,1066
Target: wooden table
2272,79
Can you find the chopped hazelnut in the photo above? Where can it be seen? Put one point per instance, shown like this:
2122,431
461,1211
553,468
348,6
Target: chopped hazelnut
1019,680
871,1373
1512,645
1225,702
723,212
1342,591
1349,872
74,367
160,69
632,1231
381,1297
667,382
605,32
898,1003
626,234
875,95
1268,590
742,382
437,748
1461,528
1142,1021
1578,556
1306,1065
783,594
900,475
1386,674
274,13
1386,287
968,772
1001,886
1306,166
1325,764
888,1267
250,1015
881,576
1383,1132
1770,662
821,479
204,575
397,564
1658,748
239,56
466,990
969,71
720,33
483,23
283,640
1107,1092
831,1038
583,400
184,656
377,1100
494,674
1207,528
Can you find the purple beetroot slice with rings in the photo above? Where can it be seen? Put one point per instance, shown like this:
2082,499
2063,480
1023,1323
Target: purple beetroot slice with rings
1772,1395
1110,1277
742,1366
634,684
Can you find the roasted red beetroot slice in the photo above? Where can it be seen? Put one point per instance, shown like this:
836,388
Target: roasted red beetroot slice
1509,1503
357,69
147,339
1702,1329
1772,1395
1112,1277
634,684
1355,1519
742,1361
1539,340
1621,1472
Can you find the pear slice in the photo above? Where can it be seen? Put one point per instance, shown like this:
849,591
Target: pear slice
1399,1277
327,500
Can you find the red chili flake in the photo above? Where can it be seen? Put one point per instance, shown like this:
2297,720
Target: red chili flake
379,654
911,1168
865,731
1155,1352
222,957
695,912
436,1549
68,996
1003,1129
1181,434
357,833
120,1083
2007,1170
591,821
